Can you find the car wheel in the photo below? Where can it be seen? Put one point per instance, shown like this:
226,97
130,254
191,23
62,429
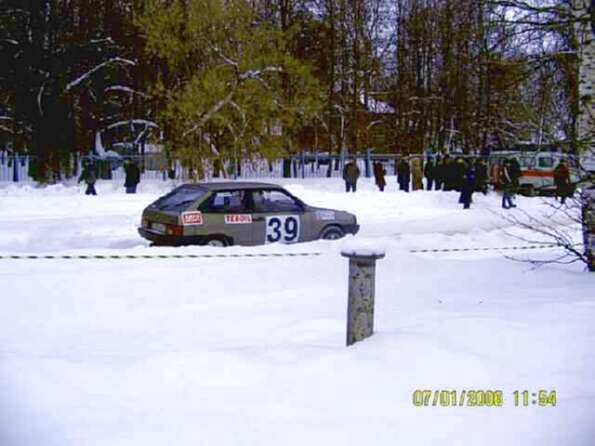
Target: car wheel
219,242
332,233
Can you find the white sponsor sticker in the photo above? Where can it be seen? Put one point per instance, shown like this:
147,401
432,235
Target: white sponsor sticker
238,219
191,218
325,215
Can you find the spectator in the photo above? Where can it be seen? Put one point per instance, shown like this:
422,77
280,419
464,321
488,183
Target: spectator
403,174
379,173
515,172
132,176
562,181
429,172
458,174
350,175
507,182
481,176
417,173
468,186
449,175
440,172
89,176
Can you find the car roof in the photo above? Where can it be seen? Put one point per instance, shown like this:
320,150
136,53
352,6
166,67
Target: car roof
227,185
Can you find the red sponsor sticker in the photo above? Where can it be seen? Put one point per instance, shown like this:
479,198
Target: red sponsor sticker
238,219
191,218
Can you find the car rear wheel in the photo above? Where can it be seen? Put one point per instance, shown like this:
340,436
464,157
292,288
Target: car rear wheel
219,242
529,190
332,233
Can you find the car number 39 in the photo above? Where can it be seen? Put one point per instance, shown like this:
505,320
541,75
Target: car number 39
282,228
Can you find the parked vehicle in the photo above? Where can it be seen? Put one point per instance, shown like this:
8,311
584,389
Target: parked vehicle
239,213
537,170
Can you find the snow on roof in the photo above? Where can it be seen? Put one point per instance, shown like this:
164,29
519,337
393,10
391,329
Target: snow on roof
376,106
144,122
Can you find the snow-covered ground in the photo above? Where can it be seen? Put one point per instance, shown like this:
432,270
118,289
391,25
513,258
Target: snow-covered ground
250,351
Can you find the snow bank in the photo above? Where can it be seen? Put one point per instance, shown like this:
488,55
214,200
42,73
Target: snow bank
250,351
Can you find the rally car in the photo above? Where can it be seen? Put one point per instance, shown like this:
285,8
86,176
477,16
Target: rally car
239,213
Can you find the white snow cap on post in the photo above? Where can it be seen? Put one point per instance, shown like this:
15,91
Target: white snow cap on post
363,248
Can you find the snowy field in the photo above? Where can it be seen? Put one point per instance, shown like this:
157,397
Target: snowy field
250,351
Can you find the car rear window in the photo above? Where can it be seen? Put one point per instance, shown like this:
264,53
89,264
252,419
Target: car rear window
179,198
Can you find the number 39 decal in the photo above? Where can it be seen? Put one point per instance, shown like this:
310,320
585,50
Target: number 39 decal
282,228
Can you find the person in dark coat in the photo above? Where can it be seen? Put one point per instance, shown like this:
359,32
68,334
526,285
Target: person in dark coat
350,175
132,176
458,173
403,175
449,175
515,173
468,186
481,176
429,171
379,173
89,176
440,172
507,183
562,181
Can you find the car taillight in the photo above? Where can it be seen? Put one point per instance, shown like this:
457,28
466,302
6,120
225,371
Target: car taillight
174,230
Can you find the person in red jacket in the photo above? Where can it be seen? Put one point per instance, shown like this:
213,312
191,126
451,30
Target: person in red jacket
379,173
562,181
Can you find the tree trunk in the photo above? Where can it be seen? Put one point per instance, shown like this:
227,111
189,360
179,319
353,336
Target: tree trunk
586,116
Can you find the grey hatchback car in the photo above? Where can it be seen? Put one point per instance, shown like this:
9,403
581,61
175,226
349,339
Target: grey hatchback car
239,213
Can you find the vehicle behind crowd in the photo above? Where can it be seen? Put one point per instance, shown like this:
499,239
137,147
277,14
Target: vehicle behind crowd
537,170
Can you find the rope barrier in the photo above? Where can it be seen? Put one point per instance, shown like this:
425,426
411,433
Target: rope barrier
247,255
504,248
151,256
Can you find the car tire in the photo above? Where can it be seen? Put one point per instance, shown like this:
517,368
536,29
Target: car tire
529,190
219,242
332,233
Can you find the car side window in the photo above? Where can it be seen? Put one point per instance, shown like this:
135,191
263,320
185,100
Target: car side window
228,201
274,201
546,161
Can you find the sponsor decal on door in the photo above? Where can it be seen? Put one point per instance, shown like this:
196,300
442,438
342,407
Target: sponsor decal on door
238,219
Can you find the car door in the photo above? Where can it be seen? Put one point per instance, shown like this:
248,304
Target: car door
277,217
228,213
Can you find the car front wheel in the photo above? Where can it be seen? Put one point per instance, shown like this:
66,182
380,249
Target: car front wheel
332,233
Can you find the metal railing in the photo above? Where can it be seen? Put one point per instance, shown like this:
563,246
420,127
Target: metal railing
155,166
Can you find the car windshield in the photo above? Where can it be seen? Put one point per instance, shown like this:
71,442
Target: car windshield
179,198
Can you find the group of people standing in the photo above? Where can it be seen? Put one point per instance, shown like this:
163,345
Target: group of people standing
89,176
463,175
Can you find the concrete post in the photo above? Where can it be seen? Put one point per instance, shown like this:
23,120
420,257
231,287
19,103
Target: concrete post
360,308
